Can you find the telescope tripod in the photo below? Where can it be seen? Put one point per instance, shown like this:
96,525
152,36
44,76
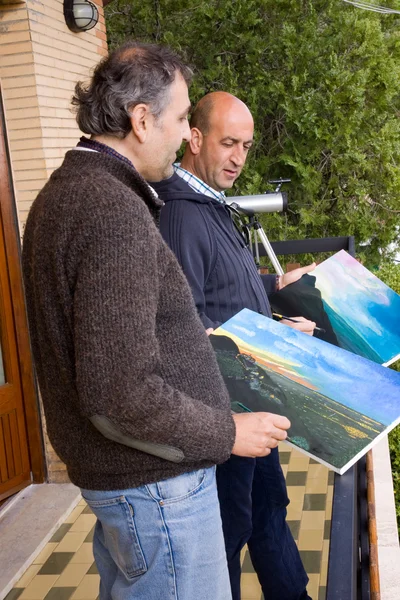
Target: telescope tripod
253,230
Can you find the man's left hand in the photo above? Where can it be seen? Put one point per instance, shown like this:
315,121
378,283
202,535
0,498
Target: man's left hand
294,275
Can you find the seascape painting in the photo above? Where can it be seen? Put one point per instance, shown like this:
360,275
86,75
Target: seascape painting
355,309
338,403
364,312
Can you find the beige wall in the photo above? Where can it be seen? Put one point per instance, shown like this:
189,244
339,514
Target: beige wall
40,61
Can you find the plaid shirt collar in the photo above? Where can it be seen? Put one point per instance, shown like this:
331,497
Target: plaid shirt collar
198,185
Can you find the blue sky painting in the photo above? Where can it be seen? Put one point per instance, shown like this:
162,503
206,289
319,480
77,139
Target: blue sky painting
364,312
335,390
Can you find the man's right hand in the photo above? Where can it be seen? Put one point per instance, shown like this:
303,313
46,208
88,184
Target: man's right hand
301,324
257,433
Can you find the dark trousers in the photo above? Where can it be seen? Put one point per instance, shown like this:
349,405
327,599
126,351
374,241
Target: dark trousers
253,499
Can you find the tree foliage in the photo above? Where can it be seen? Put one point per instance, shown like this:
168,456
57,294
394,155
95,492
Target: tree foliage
322,80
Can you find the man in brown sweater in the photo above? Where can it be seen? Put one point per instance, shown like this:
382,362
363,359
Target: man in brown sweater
135,405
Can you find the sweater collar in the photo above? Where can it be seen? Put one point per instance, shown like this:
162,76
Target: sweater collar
80,162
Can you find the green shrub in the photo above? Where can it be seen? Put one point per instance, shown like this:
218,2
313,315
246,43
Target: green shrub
322,80
390,274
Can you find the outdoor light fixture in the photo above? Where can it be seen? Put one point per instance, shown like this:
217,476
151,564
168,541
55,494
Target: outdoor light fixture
80,15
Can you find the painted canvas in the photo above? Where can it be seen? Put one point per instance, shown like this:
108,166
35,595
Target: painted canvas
339,404
363,311
356,310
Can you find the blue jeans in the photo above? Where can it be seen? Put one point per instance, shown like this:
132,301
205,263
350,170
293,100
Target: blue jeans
161,541
253,499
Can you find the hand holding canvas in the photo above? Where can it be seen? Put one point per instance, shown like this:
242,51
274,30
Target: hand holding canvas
257,433
294,275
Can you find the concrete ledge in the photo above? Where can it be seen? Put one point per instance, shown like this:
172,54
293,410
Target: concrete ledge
27,524
388,537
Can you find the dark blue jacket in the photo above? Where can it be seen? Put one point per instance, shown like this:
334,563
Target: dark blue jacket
213,254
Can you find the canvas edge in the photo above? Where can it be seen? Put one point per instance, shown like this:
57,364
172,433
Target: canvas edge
391,361
314,457
342,470
378,438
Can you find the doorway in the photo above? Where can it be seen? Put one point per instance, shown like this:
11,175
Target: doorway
21,452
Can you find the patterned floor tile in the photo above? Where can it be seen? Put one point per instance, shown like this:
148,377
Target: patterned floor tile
75,514
60,593
71,542
28,576
247,565
296,492
327,529
88,589
295,510
299,463
38,587
45,553
84,554
310,539
313,585
89,537
84,523
296,478
14,594
284,457
56,563
93,569
250,587
87,511
65,568
61,532
316,470
311,560
317,485
328,509
314,502
313,519
72,575
294,527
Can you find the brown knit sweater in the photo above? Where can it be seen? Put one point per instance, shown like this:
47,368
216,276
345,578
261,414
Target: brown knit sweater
115,331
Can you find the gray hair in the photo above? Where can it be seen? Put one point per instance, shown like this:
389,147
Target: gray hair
202,112
134,73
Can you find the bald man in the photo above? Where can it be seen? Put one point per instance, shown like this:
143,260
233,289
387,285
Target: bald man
198,226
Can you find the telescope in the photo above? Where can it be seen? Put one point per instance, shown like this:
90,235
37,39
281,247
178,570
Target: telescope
249,205
259,203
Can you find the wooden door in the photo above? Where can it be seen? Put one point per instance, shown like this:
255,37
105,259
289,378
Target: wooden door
20,451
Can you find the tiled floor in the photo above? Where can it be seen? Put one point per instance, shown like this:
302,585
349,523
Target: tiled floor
65,569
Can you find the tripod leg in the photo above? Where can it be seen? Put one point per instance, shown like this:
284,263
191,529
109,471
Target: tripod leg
268,249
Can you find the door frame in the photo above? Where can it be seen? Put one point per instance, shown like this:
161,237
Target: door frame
9,218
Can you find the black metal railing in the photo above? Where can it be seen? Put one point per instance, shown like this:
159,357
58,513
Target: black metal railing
348,563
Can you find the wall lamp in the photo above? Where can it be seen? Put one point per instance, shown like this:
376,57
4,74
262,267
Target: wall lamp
80,15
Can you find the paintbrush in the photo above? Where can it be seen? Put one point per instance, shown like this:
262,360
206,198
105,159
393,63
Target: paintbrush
280,317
